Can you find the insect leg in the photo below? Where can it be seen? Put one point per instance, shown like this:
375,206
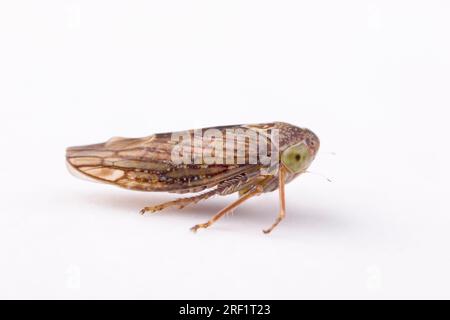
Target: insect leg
224,188
254,192
282,212
180,203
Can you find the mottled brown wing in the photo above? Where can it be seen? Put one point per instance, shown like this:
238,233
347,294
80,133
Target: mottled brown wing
146,164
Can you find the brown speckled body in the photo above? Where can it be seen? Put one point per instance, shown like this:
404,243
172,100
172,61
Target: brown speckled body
145,164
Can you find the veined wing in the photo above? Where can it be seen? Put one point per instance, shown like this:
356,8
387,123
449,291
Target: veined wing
147,163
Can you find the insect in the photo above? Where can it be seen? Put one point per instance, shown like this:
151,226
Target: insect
248,160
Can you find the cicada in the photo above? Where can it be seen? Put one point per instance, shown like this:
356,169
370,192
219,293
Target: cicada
248,160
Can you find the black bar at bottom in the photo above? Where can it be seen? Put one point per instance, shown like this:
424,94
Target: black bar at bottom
220,309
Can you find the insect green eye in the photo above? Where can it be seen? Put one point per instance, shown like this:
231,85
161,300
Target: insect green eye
296,158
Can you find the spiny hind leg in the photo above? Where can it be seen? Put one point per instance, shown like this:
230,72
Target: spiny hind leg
180,203
254,192
223,188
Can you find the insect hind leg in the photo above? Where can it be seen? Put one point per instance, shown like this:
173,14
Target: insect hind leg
224,188
180,203
255,192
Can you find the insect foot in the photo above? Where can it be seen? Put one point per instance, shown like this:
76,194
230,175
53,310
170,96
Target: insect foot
277,222
200,226
151,209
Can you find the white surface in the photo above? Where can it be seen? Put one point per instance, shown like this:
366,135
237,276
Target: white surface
371,78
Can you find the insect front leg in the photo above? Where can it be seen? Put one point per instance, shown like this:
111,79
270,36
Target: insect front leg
282,212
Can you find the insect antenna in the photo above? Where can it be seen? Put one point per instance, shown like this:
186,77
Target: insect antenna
320,175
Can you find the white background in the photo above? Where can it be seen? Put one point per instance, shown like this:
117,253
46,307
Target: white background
371,78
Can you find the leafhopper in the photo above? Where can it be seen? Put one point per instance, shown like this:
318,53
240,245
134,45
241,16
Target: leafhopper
248,160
